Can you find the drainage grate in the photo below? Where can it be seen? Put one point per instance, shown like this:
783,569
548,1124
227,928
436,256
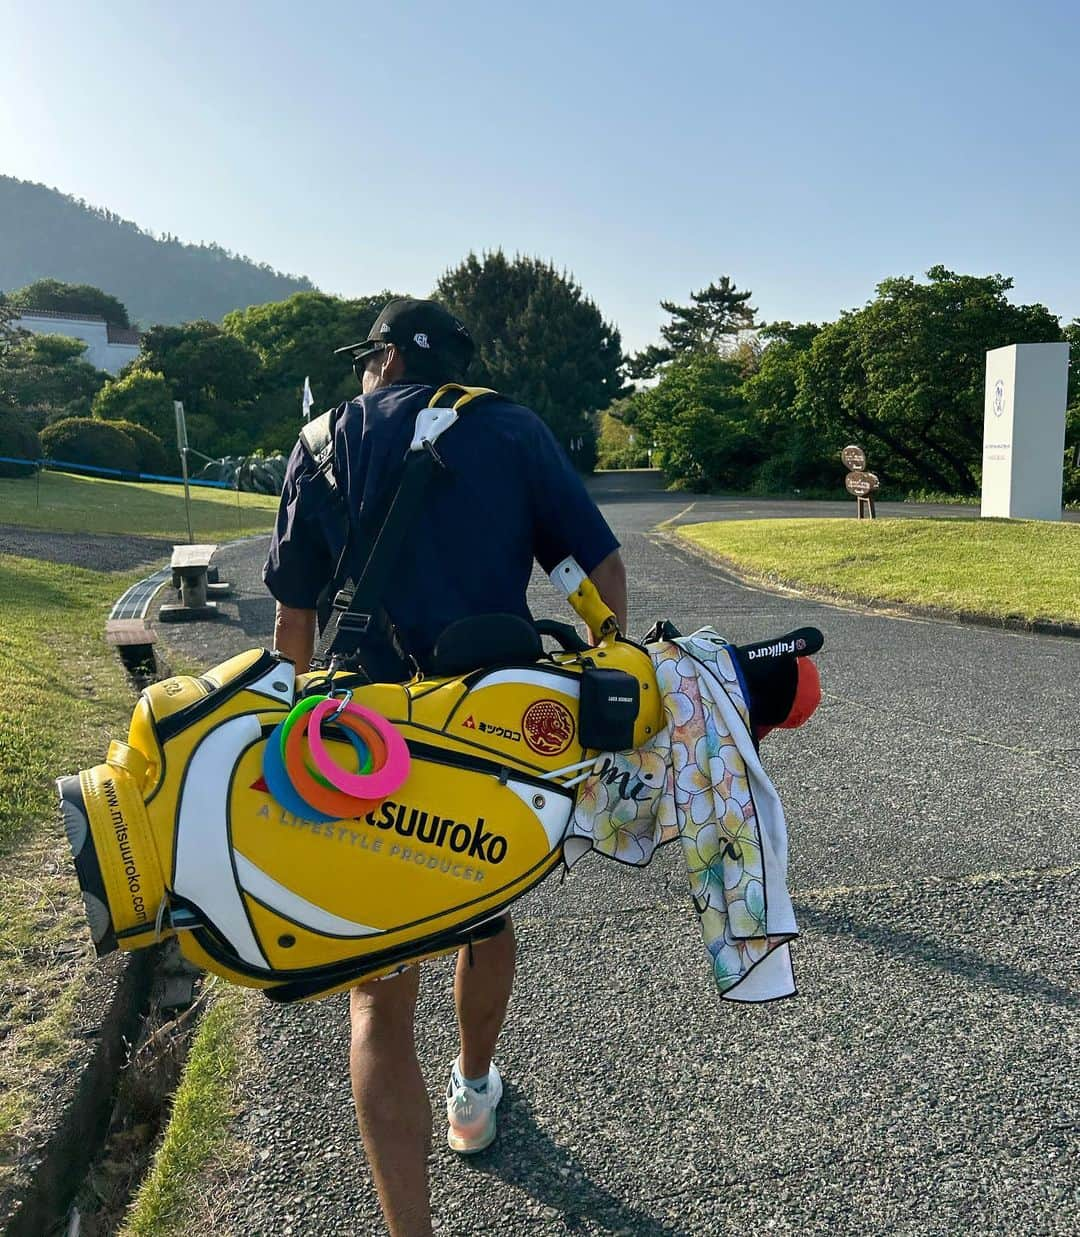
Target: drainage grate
136,601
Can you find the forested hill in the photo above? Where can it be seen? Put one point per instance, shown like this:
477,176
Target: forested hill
45,234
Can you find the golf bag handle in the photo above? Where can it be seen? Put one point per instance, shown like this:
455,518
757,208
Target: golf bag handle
566,634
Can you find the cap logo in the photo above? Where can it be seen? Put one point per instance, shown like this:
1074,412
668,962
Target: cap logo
421,340
385,328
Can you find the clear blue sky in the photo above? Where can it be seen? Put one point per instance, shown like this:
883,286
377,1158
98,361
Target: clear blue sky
806,149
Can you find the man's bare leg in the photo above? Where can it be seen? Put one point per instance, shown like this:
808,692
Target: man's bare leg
392,1106
481,994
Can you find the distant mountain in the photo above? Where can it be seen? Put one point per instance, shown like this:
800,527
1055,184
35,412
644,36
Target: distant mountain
47,234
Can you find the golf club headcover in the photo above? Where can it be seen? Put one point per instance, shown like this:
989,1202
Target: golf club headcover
782,683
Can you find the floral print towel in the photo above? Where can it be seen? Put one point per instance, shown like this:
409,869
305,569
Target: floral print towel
700,781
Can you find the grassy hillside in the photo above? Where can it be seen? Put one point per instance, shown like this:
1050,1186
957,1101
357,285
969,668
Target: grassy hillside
73,504
48,234
1022,569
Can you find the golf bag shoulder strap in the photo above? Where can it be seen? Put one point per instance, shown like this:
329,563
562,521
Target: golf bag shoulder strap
454,395
317,439
356,611
318,436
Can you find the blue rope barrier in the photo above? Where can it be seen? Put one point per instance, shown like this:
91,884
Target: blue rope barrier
124,474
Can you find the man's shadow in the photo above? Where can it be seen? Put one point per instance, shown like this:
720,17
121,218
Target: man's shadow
526,1157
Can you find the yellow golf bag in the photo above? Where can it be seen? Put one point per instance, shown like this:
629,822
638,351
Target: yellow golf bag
178,834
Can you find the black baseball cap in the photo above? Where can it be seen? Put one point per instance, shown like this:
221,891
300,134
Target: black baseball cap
423,330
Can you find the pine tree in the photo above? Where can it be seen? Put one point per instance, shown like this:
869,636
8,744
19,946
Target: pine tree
715,315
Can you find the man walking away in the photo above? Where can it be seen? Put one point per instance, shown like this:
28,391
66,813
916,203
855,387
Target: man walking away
506,496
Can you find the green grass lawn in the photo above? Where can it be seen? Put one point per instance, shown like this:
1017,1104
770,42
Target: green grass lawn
64,697
1024,569
67,503
197,1151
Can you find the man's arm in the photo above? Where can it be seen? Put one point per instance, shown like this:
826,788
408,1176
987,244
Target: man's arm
294,635
609,576
298,561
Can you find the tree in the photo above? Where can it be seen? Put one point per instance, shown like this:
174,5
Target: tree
202,364
1072,417
904,376
142,397
795,456
539,340
45,377
713,318
71,298
9,335
699,421
296,338
771,390
9,332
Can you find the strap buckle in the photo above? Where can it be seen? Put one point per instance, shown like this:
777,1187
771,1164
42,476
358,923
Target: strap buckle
429,447
355,622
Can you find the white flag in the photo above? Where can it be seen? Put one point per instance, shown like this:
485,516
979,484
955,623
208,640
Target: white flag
309,399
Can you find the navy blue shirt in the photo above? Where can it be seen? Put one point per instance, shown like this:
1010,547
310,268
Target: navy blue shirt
508,495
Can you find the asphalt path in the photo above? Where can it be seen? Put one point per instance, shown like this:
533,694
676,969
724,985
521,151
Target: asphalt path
924,1079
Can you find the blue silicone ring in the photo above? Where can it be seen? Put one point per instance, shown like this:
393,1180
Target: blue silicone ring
283,792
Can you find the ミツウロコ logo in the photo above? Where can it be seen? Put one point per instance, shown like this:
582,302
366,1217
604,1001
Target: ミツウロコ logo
548,727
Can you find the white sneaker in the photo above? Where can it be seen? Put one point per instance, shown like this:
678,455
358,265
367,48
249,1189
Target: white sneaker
471,1114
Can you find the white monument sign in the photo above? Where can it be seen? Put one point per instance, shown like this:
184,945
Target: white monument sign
1024,431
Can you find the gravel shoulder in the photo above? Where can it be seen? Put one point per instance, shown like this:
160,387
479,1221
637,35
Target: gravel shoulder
98,551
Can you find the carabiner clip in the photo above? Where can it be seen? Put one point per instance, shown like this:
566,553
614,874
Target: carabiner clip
346,700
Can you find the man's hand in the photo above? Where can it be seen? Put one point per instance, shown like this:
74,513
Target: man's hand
294,635
609,576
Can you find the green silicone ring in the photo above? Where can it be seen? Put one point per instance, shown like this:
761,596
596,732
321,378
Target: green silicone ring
296,713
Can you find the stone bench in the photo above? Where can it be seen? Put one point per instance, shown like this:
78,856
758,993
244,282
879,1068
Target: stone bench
197,581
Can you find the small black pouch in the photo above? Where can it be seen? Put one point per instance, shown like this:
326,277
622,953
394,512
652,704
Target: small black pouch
610,700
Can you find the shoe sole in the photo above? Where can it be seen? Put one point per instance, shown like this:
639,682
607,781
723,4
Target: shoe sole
466,1146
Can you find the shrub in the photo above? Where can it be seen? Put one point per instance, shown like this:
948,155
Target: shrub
18,439
796,460
141,397
149,449
83,440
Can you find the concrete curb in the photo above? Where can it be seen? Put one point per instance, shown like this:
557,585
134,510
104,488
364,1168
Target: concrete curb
777,584
107,1020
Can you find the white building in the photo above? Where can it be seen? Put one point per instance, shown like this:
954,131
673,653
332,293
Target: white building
107,347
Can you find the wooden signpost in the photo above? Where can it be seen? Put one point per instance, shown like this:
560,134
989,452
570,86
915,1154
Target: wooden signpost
860,483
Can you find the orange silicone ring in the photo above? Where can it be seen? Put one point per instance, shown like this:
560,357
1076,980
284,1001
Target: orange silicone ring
326,799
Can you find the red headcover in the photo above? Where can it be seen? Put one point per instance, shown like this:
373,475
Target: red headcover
807,698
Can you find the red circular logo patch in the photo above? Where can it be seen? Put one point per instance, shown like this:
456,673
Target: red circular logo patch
548,727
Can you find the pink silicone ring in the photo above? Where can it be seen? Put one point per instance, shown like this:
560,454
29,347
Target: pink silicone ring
377,785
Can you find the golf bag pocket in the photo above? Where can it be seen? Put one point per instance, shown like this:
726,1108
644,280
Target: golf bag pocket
610,700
